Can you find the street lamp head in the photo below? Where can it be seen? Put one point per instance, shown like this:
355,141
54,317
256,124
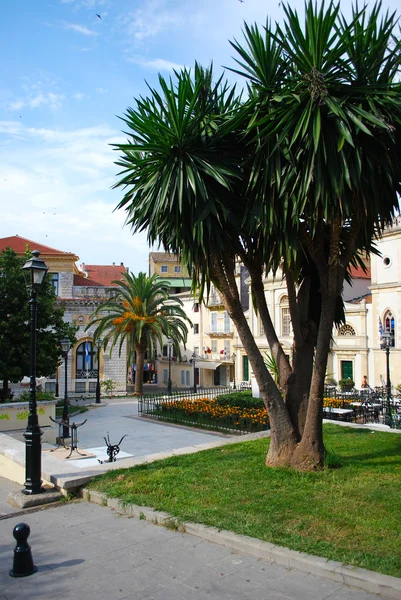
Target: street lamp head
65,345
99,343
35,270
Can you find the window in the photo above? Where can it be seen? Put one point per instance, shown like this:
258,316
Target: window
226,322
196,328
214,346
213,322
165,351
285,321
164,269
389,327
261,329
182,377
285,317
86,358
177,269
54,282
187,377
346,330
227,348
165,375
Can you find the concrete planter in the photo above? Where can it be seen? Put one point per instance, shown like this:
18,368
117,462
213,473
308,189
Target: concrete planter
14,415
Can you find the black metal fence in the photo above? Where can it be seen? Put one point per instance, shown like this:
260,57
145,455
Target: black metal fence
164,407
371,405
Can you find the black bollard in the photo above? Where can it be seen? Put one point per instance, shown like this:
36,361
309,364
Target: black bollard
23,562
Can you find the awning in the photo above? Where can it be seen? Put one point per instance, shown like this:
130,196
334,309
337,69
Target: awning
207,365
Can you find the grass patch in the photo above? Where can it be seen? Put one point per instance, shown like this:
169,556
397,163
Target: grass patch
72,410
348,513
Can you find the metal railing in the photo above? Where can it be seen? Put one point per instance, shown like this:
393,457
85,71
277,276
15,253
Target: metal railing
375,406
164,407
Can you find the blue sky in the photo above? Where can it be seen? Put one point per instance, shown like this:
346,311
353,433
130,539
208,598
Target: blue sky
65,76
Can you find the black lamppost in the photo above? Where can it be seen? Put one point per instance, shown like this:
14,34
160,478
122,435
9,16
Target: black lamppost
386,346
35,271
169,385
234,356
65,346
98,346
194,357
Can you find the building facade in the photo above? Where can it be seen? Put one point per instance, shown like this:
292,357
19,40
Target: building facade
79,291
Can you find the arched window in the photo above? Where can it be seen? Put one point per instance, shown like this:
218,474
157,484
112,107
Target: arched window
389,327
86,360
346,330
285,317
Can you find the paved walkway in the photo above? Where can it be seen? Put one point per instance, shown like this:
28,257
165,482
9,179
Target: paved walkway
118,417
85,551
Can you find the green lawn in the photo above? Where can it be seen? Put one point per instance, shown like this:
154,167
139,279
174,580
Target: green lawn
349,513
72,410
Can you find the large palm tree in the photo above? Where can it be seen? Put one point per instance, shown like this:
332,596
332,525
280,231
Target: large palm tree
141,313
301,175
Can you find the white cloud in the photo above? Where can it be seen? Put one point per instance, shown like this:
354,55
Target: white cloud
53,101
62,195
160,64
80,29
100,90
152,19
78,96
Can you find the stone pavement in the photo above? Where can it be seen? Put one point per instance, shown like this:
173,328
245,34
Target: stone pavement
85,551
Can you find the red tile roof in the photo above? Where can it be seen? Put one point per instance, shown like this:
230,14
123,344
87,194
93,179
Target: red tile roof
81,281
102,274
357,273
18,244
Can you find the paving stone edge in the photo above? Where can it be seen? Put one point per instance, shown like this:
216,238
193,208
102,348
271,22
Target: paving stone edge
369,581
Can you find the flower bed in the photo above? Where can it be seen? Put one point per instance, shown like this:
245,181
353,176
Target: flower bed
209,414
334,403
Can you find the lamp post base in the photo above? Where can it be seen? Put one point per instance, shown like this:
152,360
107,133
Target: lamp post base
33,461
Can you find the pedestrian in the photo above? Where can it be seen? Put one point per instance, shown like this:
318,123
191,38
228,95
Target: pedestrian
364,383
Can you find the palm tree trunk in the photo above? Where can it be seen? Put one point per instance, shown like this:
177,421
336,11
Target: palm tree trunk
283,438
140,363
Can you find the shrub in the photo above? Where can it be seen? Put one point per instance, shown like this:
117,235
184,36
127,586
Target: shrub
240,399
108,385
40,396
346,384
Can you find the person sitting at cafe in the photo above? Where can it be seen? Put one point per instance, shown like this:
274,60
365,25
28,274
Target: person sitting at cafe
364,383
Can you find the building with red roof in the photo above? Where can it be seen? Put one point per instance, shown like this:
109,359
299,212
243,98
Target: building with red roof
80,290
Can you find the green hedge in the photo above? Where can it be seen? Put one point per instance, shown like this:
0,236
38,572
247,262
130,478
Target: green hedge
40,397
240,399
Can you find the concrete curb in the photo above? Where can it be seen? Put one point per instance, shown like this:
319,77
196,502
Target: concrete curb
369,581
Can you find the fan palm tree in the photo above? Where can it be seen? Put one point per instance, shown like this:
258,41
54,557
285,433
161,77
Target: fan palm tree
301,176
141,313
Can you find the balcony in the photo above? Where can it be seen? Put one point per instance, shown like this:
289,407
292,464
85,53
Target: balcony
214,301
216,357
219,332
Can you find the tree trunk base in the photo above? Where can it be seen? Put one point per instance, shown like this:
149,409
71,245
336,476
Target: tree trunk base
307,455
280,456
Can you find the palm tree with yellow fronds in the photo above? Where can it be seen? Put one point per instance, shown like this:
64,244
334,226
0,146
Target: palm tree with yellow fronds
140,313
